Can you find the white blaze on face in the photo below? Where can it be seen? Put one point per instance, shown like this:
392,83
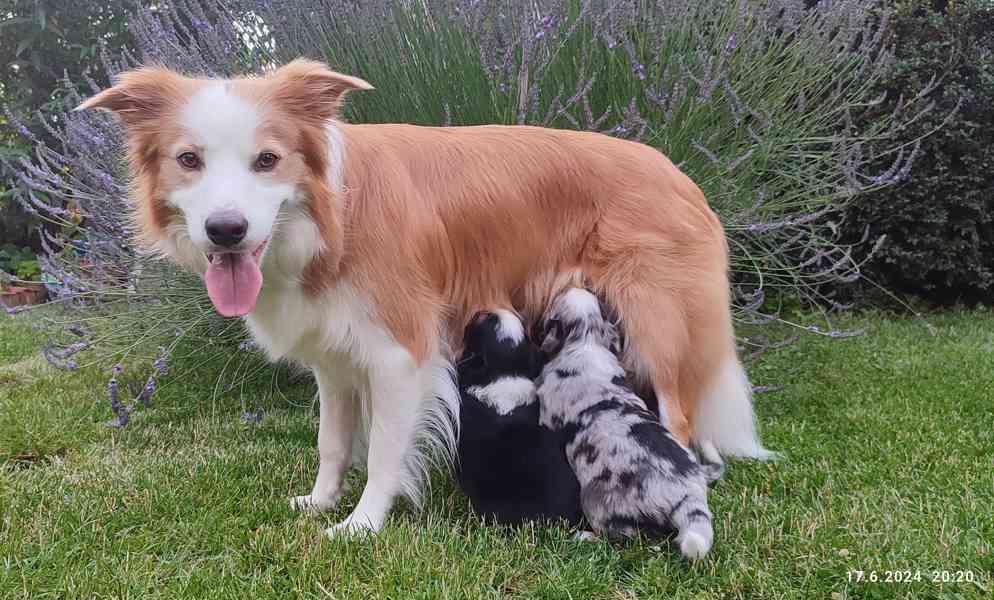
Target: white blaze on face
221,128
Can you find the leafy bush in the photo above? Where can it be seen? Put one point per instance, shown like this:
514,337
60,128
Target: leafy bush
28,270
11,256
938,222
40,41
757,100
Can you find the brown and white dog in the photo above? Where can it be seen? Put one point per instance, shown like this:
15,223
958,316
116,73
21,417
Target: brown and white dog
362,251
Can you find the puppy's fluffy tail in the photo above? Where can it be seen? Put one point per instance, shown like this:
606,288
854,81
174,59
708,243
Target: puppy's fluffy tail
725,423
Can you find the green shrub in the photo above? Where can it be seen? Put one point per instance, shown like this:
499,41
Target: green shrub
939,222
28,270
11,257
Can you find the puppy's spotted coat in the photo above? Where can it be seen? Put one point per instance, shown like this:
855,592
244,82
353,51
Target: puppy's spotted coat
633,473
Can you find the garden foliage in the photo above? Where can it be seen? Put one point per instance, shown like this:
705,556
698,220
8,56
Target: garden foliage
937,224
763,102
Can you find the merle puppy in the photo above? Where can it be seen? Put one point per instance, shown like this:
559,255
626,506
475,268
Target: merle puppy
512,468
633,474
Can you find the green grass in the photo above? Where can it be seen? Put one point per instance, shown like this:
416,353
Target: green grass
889,444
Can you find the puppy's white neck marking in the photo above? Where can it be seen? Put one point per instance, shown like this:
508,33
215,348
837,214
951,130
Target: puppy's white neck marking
510,327
505,394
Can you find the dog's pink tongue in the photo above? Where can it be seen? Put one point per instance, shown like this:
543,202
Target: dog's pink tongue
233,283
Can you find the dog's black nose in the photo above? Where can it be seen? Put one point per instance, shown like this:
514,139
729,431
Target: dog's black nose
226,228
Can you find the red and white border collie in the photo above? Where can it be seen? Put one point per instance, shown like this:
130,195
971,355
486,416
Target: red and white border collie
362,251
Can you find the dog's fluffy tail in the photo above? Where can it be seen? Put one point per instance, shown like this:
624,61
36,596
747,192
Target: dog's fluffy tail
725,423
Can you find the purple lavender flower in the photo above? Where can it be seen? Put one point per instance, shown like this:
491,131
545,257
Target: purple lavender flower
61,358
120,411
545,26
145,396
253,417
765,389
161,361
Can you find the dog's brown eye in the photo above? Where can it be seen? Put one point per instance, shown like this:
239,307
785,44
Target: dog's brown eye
266,161
189,160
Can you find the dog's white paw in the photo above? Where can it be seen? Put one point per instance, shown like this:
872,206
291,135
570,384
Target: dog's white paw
313,504
694,545
355,525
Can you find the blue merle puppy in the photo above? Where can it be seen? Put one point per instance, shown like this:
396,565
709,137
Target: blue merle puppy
633,474
512,468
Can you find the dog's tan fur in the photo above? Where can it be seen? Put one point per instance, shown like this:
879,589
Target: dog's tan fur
436,223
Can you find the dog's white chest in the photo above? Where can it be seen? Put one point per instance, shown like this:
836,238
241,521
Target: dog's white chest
289,325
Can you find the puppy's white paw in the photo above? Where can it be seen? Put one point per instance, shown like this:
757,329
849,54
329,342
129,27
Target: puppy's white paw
313,504
355,525
693,545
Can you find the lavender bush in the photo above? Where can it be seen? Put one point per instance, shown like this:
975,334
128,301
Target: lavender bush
756,100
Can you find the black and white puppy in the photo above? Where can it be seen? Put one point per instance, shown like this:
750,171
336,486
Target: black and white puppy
512,468
633,474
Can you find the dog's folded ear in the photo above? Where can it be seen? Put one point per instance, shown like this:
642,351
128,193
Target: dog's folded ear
311,90
141,95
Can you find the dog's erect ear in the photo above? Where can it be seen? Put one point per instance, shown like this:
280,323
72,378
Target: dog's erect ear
311,90
140,96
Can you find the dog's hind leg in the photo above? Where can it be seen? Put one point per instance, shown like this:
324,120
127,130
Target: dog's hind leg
682,343
658,254
657,339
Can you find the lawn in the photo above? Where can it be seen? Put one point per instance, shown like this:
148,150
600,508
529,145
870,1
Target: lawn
889,465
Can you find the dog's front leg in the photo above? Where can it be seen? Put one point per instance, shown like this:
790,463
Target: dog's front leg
395,399
336,389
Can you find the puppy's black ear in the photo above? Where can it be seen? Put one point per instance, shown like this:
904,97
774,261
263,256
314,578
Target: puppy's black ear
536,360
473,335
471,365
554,337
